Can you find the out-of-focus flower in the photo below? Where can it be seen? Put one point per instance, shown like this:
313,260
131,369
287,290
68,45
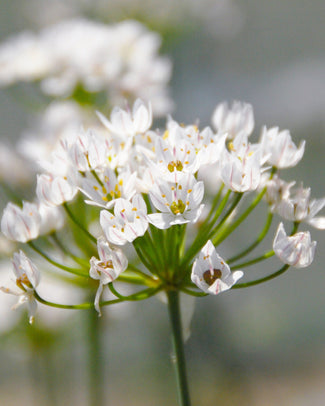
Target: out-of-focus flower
53,191
112,262
234,120
129,123
280,150
13,170
120,60
27,279
297,250
21,224
211,273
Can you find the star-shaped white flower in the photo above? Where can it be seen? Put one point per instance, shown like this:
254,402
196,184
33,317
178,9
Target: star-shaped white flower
211,273
178,202
280,149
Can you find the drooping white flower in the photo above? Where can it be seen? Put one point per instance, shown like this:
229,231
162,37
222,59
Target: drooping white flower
111,263
300,207
128,222
127,123
21,224
296,250
55,190
27,279
179,202
234,120
280,149
211,273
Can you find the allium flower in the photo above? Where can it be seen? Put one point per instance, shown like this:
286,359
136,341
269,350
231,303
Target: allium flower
112,262
54,191
280,149
297,250
128,222
27,279
21,224
234,120
129,123
178,202
210,272
111,188
276,191
240,168
300,207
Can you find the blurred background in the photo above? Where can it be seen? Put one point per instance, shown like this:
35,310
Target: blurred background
260,346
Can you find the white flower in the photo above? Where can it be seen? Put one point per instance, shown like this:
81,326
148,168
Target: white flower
88,151
277,190
55,190
111,188
297,250
178,202
238,118
128,222
52,218
27,279
112,262
240,168
210,272
300,207
280,149
126,123
21,224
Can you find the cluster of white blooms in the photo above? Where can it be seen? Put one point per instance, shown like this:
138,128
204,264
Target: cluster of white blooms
146,187
120,59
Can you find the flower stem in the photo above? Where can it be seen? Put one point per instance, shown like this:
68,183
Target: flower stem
78,223
178,343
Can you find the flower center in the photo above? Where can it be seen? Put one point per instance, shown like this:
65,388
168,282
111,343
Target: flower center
106,264
177,207
211,276
172,165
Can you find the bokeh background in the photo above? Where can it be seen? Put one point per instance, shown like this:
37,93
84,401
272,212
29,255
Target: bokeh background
260,346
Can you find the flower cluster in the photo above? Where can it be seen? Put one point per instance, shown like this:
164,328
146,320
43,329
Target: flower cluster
120,60
147,189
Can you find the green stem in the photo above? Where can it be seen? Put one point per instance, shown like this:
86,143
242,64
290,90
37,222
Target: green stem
178,343
96,358
74,219
266,255
83,262
255,243
228,230
74,271
261,280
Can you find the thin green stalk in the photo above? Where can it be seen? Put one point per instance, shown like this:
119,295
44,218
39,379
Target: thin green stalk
262,280
266,255
178,344
228,213
228,230
75,271
83,262
201,237
256,242
82,228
